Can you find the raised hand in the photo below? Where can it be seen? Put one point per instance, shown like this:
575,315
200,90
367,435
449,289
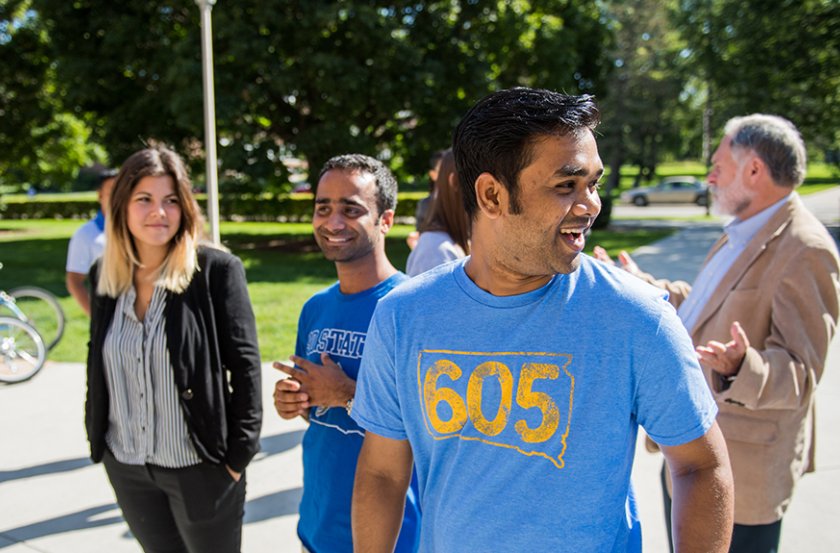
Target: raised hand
725,359
601,254
624,260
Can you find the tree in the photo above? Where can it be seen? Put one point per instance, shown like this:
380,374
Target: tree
641,110
772,56
312,79
128,65
40,144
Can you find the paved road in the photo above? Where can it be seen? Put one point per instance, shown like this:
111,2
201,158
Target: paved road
657,210
827,208
52,500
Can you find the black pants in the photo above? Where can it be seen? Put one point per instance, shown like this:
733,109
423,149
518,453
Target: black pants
760,538
189,510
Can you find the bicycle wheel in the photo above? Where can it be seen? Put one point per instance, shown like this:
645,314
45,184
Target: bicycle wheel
42,310
22,351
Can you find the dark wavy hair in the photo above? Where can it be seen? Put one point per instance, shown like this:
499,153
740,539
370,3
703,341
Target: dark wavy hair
447,212
497,135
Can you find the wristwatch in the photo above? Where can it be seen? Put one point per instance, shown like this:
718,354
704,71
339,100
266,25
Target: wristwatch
349,405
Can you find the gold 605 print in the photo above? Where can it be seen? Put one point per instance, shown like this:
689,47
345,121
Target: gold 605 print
452,392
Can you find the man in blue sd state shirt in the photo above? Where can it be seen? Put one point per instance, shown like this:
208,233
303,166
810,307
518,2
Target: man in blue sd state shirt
354,210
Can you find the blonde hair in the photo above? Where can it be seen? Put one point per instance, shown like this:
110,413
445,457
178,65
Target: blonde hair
119,260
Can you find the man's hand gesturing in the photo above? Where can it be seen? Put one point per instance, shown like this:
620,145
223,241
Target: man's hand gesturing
311,384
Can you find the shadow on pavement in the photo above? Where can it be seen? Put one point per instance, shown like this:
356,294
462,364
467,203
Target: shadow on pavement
270,506
273,505
47,468
258,509
88,518
270,445
278,443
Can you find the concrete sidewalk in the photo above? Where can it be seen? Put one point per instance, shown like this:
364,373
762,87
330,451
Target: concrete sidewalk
53,500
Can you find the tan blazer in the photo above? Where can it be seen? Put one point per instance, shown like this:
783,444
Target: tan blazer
784,290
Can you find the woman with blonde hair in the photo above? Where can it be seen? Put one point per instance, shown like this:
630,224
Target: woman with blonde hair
173,403
447,234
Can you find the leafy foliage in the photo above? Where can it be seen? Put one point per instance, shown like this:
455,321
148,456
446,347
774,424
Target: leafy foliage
299,81
40,143
771,56
313,79
641,124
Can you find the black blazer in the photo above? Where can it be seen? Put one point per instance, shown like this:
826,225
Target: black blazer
212,341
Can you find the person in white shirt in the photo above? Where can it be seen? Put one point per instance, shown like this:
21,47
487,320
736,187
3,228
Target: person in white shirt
88,243
447,234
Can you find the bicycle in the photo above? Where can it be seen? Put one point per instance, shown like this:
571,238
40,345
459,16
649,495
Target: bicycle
38,307
31,323
22,350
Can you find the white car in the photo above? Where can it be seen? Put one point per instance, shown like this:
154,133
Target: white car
670,190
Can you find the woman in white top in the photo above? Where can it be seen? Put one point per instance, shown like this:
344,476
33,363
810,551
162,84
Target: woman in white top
448,227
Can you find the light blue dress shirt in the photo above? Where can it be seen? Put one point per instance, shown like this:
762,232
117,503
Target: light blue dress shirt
739,234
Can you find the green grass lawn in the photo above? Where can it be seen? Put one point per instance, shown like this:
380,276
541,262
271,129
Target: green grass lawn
809,188
283,264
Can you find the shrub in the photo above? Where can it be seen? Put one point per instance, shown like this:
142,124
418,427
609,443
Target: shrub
240,207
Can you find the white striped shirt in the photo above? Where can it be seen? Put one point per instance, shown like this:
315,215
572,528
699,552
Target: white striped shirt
145,420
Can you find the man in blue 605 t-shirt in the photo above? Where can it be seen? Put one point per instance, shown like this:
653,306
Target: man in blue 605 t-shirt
354,210
516,380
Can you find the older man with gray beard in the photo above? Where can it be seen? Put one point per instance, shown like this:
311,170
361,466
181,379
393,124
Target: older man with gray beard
761,313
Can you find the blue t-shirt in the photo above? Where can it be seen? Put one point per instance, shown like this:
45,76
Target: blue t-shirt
337,324
522,411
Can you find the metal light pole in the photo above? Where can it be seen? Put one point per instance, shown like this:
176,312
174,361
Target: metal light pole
206,6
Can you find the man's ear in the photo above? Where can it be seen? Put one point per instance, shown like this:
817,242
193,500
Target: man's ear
756,170
756,165
491,195
386,220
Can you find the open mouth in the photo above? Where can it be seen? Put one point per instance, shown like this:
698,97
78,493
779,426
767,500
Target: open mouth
574,238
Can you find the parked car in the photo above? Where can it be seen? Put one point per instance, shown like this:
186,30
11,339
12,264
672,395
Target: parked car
670,190
302,188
